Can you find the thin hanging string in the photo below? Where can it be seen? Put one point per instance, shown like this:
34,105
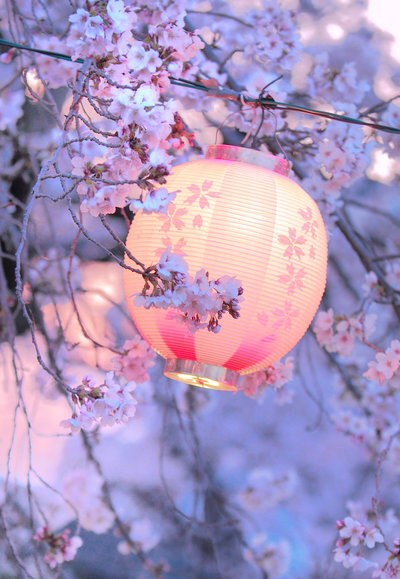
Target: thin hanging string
218,129
253,106
228,94
263,109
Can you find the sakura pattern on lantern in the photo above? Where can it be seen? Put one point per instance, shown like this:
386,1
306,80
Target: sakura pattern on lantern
173,218
200,195
293,243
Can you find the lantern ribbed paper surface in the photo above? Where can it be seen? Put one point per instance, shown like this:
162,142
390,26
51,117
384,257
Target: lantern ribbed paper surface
236,218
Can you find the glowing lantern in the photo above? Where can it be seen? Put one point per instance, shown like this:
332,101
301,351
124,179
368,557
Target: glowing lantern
235,213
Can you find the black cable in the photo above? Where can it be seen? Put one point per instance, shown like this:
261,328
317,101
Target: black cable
229,94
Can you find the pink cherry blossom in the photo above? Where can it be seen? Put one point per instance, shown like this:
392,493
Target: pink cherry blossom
135,360
373,536
387,364
61,547
105,404
156,200
171,264
352,530
87,25
345,557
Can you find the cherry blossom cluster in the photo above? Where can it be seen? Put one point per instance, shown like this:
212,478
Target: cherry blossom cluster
84,490
387,524
371,286
391,568
336,86
106,30
373,420
338,333
357,425
136,358
155,201
353,536
62,547
362,512
265,489
386,366
273,558
133,128
198,302
274,37
341,160
103,404
276,375
122,131
142,535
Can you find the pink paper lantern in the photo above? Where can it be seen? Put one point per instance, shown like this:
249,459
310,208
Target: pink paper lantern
236,213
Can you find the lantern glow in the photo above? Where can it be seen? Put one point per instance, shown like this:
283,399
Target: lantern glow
236,213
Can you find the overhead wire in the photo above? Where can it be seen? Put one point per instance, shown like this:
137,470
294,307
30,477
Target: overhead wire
229,94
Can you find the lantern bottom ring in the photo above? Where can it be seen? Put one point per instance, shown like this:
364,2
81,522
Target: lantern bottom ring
202,375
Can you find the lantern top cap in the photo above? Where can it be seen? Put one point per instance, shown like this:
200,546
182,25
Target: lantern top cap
251,156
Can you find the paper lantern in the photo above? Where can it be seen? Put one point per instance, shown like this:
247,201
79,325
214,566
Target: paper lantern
235,213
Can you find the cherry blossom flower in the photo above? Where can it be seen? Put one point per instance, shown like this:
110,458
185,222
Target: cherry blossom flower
391,568
351,529
135,360
350,423
141,57
353,533
372,537
143,534
331,157
337,334
345,557
122,18
170,265
323,327
105,200
343,343
274,37
386,364
201,302
276,375
273,558
105,404
184,45
56,73
156,201
61,547
83,488
265,489
336,85
87,25
370,283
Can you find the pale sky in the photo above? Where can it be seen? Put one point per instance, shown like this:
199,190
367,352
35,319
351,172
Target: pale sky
386,14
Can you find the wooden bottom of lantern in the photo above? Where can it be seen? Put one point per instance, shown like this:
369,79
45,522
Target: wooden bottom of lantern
202,375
